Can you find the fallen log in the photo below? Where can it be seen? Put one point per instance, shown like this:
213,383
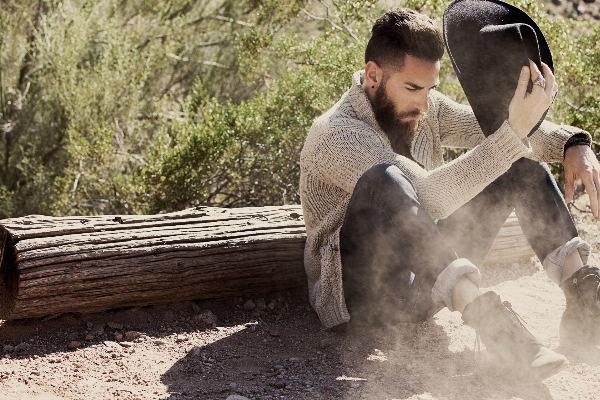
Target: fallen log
510,245
52,265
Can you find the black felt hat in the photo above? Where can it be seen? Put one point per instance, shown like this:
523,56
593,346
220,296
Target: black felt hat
489,41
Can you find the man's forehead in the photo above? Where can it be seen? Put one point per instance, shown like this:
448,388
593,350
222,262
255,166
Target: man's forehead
417,72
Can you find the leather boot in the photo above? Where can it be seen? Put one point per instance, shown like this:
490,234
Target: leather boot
580,323
509,343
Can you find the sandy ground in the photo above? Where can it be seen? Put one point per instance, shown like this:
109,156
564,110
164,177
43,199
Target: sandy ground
273,347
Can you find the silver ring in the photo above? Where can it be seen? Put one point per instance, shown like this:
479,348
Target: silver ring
540,82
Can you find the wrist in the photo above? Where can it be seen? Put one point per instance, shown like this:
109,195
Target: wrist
579,139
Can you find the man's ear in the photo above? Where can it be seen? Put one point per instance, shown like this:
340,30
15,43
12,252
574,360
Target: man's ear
373,75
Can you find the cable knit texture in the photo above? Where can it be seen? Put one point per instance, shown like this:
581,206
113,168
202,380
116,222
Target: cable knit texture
346,141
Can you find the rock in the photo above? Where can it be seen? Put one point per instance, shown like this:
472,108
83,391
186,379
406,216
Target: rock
125,344
159,342
22,347
207,318
8,348
237,397
195,307
326,343
180,338
196,350
279,384
74,345
131,335
98,330
249,305
274,333
118,336
278,367
89,337
260,304
114,325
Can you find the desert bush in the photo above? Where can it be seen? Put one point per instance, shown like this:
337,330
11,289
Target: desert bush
123,106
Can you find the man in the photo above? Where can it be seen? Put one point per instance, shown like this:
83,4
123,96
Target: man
394,234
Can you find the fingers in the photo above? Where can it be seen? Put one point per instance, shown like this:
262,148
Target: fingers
550,80
569,188
590,188
524,77
535,73
597,187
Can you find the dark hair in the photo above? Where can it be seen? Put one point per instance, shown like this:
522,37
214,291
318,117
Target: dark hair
403,31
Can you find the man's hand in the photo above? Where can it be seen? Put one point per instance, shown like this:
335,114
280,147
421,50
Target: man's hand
581,163
526,109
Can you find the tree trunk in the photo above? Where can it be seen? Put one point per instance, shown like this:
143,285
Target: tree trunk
53,265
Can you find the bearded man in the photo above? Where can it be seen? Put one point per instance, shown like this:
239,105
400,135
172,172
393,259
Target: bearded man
394,234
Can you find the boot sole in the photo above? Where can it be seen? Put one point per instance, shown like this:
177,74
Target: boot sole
552,372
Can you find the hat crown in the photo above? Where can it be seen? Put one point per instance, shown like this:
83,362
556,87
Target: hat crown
488,42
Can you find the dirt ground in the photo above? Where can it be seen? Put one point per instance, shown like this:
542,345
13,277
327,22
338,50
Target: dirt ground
272,346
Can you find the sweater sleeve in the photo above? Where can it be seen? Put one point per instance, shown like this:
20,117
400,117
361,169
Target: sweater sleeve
343,155
457,124
458,127
548,141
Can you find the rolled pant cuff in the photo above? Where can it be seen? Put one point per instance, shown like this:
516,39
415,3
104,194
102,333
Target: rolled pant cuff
553,263
442,289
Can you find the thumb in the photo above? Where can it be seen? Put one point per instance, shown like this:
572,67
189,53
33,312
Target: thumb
524,78
569,188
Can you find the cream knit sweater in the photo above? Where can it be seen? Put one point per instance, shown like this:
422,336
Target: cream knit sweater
346,141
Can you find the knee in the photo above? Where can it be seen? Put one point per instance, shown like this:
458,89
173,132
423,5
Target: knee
386,179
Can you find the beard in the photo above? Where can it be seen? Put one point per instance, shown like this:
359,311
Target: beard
399,132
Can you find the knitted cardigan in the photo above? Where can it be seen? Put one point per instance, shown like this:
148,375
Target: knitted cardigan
346,141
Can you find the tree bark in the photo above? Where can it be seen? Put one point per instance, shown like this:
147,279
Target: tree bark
83,264
53,265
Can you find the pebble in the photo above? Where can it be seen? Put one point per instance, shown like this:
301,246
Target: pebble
89,337
279,384
207,318
159,342
278,367
271,305
131,335
196,350
23,347
294,359
326,343
8,348
114,325
237,397
274,333
260,304
74,345
195,308
118,336
249,305
180,338
125,344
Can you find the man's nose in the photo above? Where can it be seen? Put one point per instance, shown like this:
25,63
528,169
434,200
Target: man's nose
423,104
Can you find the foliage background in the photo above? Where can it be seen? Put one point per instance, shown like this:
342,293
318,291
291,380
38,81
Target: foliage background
145,106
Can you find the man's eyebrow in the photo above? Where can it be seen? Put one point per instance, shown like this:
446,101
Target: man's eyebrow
417,87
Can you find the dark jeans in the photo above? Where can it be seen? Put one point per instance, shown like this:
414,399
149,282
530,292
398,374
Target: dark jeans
392,251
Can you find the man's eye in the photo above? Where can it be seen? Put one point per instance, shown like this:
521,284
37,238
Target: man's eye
412,89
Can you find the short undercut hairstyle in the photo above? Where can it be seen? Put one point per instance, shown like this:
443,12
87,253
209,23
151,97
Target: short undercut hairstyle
400,32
